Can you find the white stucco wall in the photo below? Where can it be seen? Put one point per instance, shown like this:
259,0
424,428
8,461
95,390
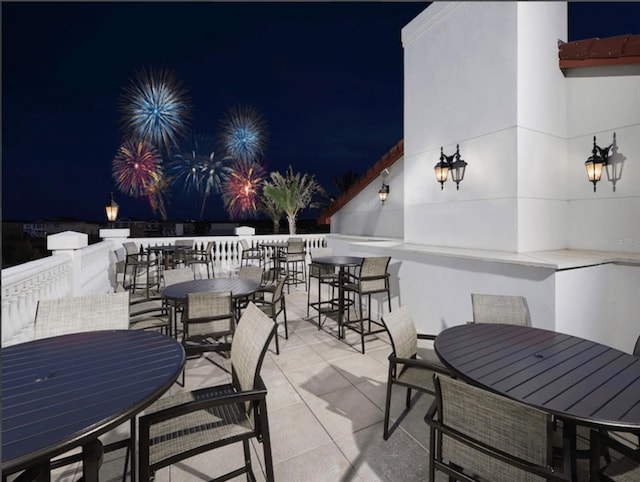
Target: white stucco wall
365,215
486,75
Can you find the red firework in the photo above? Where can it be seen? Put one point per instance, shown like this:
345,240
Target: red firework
136,168
242,188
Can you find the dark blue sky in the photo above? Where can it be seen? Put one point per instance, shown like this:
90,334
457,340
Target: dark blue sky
327,78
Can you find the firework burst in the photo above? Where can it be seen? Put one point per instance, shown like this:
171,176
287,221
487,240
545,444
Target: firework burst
136,167
242,189
155,107
197,171
243,133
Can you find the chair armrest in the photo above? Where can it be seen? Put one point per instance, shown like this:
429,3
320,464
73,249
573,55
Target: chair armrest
424,336
415,362
200,400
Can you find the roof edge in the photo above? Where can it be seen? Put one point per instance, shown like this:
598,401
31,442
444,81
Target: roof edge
395,153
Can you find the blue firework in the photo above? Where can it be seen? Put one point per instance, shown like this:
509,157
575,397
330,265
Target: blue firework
243,133
196,171
155,107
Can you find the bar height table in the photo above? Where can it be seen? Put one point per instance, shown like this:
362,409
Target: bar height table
342,263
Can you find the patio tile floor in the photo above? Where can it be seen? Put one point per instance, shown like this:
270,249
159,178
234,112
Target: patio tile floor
326,409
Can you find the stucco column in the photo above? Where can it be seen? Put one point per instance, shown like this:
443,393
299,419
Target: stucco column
70,243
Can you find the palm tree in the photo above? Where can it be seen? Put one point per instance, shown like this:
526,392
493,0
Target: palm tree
271,209
344,182
292,193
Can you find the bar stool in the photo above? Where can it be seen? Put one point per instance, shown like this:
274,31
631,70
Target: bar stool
293,263
140,262
324,275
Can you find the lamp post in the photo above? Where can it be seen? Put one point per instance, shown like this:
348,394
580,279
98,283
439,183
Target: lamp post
112,211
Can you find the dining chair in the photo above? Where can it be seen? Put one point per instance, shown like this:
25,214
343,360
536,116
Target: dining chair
324,276
405,368
479,435
61,316
371,277
511,310
150,314
292,261
181,426
177,275
272,303
207,318
182,256
143,268
202,256
250,254
623,457
252,273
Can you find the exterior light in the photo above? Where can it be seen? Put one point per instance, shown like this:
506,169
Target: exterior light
112,210
599,157
453,163
383,192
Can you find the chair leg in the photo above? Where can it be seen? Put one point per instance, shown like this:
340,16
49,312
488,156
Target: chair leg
387,406
266,443
408,400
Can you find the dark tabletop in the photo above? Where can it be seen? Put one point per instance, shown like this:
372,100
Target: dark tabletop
61,392
237,286
576,379
338,260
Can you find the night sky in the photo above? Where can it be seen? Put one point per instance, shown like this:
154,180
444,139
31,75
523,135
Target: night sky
326,77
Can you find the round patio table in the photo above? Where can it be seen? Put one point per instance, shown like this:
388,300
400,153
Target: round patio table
63,392
238,287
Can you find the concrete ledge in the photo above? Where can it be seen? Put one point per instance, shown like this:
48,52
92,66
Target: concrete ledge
67,240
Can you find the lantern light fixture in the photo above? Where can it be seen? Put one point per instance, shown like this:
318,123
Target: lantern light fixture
454,164
383,193
112,210
599,158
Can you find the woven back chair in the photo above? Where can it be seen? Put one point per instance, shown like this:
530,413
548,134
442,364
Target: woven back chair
141,268
250,254
253,273
150,314
511,310
482,436
370,278
187,424
293,263
272,303
405,368
109,311
178,275
324,275
203,256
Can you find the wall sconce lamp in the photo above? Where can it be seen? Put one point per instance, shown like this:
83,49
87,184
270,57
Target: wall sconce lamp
599,157
112,210
383,193
451,163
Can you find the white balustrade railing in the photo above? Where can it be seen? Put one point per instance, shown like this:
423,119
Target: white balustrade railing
93,269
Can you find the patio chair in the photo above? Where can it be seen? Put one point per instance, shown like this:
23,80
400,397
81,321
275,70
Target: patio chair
150,314
178,275
480,436
181,257
272,302
324,275
207,318
187,424
249,254
370,278
203,256
292,262
623,466
252,273
142,267
511,310
405,368
61,316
